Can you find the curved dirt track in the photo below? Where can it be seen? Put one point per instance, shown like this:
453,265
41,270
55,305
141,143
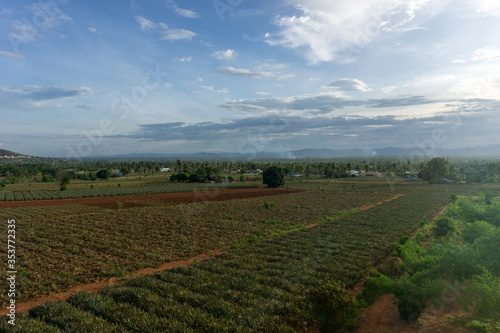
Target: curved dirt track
178,197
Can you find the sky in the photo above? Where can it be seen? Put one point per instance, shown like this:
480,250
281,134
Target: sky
89,78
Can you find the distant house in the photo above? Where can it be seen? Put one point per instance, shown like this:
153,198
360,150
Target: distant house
117,174
253,172
354,172
372,174
294,174
165,169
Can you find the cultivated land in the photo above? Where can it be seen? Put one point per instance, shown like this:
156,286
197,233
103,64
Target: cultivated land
276,249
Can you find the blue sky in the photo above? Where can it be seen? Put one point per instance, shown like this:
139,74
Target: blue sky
85,78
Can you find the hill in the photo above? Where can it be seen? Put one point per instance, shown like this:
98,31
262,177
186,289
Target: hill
4,152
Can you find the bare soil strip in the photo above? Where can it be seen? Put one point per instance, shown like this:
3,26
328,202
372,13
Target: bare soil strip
178,197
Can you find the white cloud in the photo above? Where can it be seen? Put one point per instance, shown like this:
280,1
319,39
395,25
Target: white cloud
145,23
225,54
349,85
11,55
488,7
262,93
207,87
182,12
486,54
176,34
166,33
336,30
260,75
185,59
95,30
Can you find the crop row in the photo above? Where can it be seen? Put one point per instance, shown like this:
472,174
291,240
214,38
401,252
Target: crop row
263,287
44,211
112,191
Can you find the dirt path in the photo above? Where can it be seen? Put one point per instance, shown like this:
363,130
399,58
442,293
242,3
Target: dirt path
179,197
382,202
23,307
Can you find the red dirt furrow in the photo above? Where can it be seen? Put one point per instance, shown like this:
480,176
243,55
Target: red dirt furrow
24,307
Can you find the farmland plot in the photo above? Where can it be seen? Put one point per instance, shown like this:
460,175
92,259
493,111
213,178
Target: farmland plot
57,253
262,287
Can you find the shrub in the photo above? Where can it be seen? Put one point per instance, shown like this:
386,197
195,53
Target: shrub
445,226
403,240
469,212
475,230
333,307
492,214
453,197
482,296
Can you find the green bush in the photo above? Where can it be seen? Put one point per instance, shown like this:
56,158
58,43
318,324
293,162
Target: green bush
475,230
333,307
453,197
444,227
492,214
482,296
469,212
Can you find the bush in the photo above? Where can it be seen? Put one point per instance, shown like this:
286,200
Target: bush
469,212
492,214
488,254
482,296
475,230
274,177
453,197
444,227
333,307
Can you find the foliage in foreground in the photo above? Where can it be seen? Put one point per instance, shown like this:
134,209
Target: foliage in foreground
467,265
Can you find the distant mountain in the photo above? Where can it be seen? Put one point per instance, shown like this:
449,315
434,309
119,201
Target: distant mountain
4,152
488,151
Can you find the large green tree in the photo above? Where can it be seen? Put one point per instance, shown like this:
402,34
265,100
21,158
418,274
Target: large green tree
437,168
274,177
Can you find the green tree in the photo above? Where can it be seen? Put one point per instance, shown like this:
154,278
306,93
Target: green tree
103,174
437,168
64,178
274,177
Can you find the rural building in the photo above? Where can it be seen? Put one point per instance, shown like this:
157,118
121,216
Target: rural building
165,169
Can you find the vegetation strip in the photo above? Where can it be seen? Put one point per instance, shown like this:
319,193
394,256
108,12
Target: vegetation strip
264,287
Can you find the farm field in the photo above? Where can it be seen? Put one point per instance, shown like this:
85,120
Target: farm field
275,259
88,247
